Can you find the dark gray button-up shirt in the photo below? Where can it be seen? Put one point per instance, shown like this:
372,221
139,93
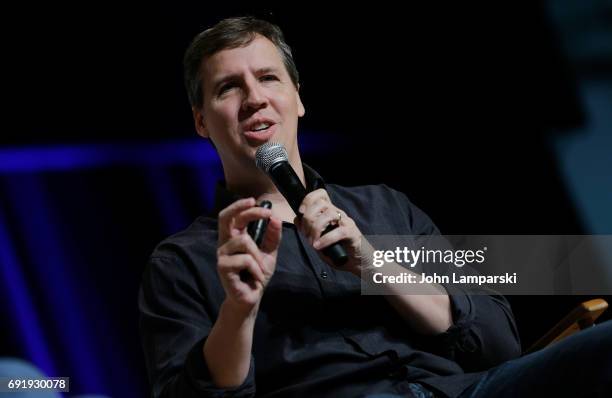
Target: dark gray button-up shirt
315,334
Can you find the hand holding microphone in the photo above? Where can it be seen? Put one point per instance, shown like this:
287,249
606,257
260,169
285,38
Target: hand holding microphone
325,225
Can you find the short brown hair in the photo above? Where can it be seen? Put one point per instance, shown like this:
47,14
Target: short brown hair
226,34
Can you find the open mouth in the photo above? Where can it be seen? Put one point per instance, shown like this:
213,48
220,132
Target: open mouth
261,127
260,132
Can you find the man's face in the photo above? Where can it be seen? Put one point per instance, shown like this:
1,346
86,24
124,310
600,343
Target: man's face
249,99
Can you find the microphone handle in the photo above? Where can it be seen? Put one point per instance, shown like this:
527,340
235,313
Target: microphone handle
290,186
257,229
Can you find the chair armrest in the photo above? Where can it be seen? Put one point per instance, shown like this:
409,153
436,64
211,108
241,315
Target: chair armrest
581,317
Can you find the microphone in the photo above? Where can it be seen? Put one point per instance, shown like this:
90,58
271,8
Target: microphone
272,159
257,229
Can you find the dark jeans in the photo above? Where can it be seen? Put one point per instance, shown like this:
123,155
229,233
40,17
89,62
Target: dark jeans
578,366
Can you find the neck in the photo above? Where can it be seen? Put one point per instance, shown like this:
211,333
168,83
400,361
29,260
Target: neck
252,182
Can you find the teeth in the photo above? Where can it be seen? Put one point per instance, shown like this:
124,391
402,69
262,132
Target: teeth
261,126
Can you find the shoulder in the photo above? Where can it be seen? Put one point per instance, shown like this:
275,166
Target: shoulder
188,252
380,209
180,276
364,193
197,238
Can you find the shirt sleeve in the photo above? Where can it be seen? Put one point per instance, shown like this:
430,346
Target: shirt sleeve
174,325
484,332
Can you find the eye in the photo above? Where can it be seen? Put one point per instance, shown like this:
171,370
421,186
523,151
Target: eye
268,78
226,87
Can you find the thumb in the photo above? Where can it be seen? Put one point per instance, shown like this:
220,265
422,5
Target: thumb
273,235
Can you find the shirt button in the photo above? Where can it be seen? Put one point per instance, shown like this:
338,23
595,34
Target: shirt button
324,274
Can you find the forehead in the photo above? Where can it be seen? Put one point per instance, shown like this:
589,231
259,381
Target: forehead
260,53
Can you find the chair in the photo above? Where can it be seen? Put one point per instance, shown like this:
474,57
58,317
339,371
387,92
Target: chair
581,317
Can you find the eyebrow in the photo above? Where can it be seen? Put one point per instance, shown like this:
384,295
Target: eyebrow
236,76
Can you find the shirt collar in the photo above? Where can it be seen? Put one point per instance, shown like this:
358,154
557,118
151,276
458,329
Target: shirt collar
224,197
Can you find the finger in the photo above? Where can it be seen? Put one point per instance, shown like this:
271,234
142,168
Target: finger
333,236
273,235
312,197
226,215
243,289
309,221
317,208
242,219
241,244
230,211
330,216
238,262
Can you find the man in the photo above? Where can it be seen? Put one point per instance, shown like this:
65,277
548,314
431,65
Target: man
297,326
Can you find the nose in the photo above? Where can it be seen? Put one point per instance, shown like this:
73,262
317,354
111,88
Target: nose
254,99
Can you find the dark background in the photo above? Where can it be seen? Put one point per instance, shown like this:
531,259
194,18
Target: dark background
460,106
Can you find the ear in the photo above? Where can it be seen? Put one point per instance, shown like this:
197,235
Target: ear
198,119
301,109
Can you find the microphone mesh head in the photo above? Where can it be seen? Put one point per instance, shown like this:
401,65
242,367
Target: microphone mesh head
269,154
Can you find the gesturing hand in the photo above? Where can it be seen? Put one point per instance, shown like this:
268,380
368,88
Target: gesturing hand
238,253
